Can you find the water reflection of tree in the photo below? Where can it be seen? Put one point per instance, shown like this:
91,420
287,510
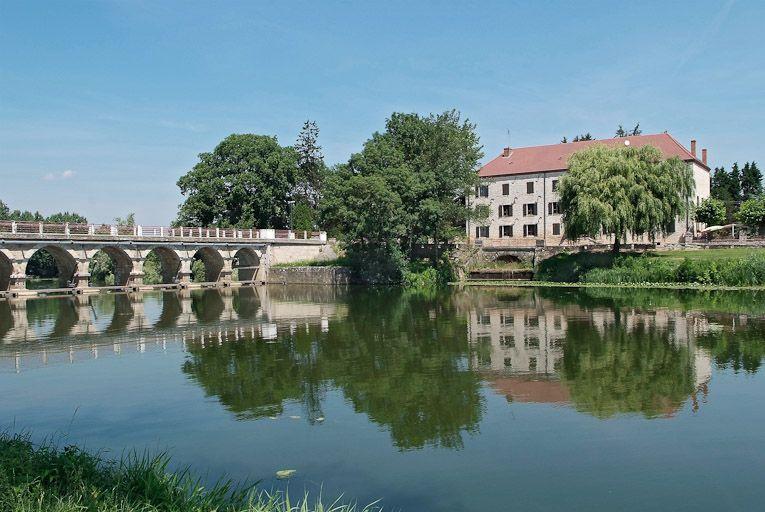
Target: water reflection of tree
398,358
615,370
737,349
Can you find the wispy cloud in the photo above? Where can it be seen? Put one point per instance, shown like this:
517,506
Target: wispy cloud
55,176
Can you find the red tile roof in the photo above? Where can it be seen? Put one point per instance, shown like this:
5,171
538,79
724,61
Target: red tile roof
555,157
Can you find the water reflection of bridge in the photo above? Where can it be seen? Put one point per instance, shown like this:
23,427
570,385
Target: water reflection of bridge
79,326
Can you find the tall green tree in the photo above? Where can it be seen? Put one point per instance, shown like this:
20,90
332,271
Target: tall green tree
734,182
710,211
751,181
720,186
421,168
752,213
623,190
246,181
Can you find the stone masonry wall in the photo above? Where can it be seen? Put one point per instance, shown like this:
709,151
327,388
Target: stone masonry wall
310,275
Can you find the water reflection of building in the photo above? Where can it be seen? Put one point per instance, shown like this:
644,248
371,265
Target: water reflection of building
41,331
520,346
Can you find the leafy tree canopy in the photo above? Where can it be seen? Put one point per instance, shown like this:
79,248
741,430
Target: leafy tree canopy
751,181
623,190
405,188
26,215
710,211
246,181
752,213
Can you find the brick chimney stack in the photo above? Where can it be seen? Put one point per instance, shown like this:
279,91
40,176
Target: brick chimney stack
693,147
704,156
506,152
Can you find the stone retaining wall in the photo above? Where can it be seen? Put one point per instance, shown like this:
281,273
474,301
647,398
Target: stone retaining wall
310,275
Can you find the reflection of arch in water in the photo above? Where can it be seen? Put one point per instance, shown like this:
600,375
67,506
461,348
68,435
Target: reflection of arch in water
6,269
51,317
123,313
247,264
246,302
6,318
123,264
171,310
66,265
207,305
169,263
213,262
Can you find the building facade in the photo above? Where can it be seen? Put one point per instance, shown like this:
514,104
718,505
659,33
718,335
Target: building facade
520,188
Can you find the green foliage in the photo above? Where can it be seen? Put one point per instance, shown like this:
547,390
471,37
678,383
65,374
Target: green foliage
42,264
129,220
198,271
621,132
404,189
101,269
27,216
44,478
304,216
623,190
61,218
570,267
746,271
152,269
311,167
752,213
710,211
422,275
246,181
751,181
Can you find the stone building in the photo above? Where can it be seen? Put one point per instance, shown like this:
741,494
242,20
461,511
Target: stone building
520,187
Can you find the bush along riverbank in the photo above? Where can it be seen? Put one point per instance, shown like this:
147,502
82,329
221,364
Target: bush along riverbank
43,478
719,267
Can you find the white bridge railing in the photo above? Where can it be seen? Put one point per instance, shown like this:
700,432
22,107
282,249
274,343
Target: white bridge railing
80,230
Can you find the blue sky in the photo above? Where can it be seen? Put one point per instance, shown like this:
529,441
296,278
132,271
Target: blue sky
104,104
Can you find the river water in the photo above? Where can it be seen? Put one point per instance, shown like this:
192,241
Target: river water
494,399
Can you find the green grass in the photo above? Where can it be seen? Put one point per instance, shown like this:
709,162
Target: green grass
740,267
43,478
709,254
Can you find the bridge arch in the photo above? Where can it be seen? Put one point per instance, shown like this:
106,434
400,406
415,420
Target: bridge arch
169,264
213,263
246,264
121,265
6,269
64,262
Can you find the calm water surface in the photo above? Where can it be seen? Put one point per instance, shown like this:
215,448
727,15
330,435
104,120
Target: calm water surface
499,399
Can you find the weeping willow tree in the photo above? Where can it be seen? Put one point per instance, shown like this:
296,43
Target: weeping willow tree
621,191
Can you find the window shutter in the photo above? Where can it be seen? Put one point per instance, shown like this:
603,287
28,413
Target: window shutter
500,210
524,210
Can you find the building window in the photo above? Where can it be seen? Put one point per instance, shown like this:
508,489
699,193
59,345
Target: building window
529,187
483,319
505,231
556,229
505,319
505,189
555,185
529,209
553,208
506,210
482,231
529,230
482,191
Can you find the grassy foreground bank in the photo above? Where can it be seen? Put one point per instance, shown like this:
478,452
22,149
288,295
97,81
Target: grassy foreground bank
42,478
714,268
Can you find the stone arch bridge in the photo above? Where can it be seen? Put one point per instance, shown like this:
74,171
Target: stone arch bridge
248,251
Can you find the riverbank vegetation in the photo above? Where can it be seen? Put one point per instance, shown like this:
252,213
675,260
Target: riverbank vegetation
44,478
726,267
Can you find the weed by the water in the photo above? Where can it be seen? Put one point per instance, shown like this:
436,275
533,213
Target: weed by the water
43,478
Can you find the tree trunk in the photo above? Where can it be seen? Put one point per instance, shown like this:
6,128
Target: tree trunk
617,244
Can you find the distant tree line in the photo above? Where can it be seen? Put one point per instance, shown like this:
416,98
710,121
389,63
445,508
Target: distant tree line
736,195
620,132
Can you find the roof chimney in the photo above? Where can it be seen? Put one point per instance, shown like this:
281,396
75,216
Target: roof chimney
693,147
704,156
506,152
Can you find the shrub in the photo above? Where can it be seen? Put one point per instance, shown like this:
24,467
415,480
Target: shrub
710,211
752,213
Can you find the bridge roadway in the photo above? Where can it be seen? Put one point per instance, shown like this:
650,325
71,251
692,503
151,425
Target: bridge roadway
249,251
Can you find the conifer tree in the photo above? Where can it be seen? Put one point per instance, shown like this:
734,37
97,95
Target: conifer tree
751,181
